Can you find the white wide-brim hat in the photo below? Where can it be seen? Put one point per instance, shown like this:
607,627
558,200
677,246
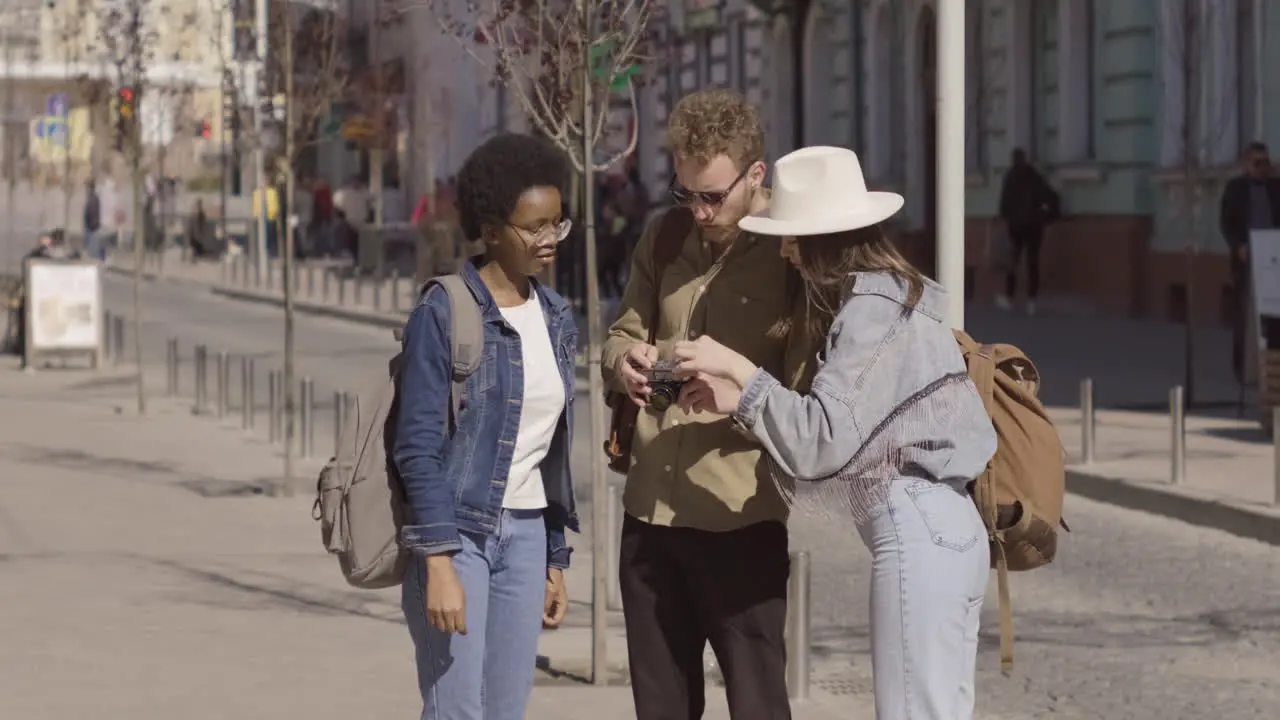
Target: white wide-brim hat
819,190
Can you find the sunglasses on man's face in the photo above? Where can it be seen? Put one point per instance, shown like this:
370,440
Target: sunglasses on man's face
709,198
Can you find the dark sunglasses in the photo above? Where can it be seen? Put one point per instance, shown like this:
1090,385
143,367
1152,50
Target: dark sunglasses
710,198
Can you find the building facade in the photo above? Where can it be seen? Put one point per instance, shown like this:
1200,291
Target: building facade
1119,103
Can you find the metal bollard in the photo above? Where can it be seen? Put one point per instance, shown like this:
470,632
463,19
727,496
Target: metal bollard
311,281
324,285
342,291
202,378
798,627
271,274
377,296
615,547
395,290
1179,427
359,291
306,428
273,406
246,393
339,417
117,332
1275,434
1088,429
223,379
171,368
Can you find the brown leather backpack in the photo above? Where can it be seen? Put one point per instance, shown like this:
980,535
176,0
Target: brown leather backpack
1020,494
673,228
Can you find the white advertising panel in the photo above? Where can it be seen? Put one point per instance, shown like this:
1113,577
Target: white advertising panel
64,305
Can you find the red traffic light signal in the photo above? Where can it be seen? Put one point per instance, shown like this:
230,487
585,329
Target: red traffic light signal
204,130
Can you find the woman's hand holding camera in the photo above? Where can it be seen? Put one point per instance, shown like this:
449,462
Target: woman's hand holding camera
705,356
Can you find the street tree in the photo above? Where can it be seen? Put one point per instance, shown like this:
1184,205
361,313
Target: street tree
565,61
129,42
307,74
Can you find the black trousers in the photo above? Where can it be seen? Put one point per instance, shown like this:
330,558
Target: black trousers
1026,239
682,588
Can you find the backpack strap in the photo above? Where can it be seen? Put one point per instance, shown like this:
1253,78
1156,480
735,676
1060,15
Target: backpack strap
466,335
982,370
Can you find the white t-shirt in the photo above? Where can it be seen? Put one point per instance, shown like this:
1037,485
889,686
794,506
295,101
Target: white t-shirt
540,411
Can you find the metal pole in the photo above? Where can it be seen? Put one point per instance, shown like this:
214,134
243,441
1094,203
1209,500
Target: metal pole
311,281
324,284
1275,435
615,549
257,94
339,417
798,625
273,405
222,367
395,289
359,290
306,423
171,368
202,380
1087,428
950,84
1177,413
342,291
118,331
377,295
246,393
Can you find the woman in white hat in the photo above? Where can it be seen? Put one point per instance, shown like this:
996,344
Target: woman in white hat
892,431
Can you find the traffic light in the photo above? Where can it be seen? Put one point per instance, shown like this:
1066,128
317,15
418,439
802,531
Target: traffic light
126,113
203,130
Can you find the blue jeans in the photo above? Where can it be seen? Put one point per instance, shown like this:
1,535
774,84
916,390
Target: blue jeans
930,563
486,674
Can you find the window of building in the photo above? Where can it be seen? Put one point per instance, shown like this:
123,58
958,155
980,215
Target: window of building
1246,45
1077,67
975,88
878,94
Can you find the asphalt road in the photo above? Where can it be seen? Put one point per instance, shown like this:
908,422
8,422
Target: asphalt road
1140,617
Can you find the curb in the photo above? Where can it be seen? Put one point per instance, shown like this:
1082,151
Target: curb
394,321
1254,522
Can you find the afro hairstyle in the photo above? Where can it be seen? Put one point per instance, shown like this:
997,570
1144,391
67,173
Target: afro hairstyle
497,173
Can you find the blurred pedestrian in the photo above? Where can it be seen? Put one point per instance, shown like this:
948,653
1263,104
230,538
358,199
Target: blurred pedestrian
1027,204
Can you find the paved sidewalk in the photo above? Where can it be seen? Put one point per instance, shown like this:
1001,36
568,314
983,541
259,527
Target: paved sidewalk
148,576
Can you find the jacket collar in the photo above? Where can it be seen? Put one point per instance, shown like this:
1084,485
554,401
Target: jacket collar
553,304
932,303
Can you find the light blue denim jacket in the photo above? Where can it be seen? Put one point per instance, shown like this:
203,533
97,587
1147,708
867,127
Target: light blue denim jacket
891,397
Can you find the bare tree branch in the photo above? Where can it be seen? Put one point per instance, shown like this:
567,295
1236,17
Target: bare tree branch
539,50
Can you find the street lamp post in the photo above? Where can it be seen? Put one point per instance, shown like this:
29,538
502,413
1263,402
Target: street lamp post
950,29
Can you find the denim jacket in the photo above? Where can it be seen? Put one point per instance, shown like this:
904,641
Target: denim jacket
456,483
891,397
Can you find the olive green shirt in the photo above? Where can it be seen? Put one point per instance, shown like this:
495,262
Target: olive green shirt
690,469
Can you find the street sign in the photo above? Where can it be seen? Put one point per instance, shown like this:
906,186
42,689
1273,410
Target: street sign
599,57
57,105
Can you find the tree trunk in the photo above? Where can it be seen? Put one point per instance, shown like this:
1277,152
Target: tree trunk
598,413
287,281
139,250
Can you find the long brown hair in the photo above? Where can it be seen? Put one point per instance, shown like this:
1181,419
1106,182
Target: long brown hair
829,262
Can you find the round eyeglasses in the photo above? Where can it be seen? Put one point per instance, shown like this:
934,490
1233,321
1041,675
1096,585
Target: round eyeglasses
553,233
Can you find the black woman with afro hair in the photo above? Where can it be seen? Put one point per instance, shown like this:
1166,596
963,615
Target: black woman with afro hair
489,493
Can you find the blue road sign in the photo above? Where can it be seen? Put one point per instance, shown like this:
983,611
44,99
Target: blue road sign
56,105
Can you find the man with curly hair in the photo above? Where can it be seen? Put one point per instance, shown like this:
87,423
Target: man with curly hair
704,540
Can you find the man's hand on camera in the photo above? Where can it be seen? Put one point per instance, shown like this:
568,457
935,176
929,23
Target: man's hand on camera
631,367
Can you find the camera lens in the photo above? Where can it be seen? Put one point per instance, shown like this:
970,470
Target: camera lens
661,398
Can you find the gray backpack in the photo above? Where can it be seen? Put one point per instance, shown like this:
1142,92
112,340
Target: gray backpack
360,501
